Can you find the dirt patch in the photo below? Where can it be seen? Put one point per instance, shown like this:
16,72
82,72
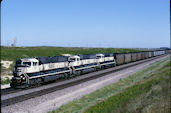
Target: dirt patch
6,64
6,72
4,77
5,86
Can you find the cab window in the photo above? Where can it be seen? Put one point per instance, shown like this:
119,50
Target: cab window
27,63
98,57
34,63
72,59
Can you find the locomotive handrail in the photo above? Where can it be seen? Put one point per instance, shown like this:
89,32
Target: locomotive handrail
27,78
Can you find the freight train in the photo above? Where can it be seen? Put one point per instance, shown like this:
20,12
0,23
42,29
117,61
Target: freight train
32,71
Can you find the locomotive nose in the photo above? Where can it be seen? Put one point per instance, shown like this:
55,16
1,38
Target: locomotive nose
19,71
16,79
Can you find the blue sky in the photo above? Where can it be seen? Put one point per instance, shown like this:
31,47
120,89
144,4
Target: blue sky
86,23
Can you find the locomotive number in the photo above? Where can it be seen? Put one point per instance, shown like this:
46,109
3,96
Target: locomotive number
51,65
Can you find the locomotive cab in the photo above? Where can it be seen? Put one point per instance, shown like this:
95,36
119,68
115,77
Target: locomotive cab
74,60
100,57
21,70
26,66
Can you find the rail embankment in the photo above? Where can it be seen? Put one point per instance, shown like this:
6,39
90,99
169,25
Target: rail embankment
146,91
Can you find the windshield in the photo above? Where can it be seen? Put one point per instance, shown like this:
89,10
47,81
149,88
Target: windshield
18,62
27,63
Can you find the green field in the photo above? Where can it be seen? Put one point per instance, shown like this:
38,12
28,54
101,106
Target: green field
146,91
13,53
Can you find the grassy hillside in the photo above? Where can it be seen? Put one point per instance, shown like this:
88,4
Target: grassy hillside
146,91
148,96
13,53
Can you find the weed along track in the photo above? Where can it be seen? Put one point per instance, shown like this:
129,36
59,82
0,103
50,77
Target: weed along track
67,84
149,93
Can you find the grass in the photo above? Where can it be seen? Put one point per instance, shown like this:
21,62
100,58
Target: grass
13,53
6,81
141,96
119,100
127,95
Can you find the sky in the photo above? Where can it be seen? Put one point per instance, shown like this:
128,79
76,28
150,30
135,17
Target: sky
86,23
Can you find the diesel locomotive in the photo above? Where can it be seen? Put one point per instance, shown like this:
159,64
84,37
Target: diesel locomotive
31,71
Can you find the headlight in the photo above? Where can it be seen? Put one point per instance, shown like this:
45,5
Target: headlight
23,78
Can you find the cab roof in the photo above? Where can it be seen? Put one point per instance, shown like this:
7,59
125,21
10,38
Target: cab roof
29,60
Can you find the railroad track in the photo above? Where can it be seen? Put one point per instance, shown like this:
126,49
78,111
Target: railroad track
10,90
20,98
